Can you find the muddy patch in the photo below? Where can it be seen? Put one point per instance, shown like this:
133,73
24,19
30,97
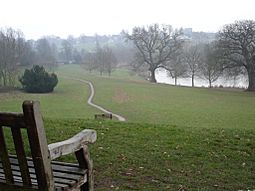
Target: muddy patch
120,96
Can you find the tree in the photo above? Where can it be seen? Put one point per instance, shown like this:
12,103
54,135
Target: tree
99,59
37,80
28,58
67,51
237,46
192,58
11,50
104,60
89,61
155,44
109,60
176,66
211,67
77,57
45,53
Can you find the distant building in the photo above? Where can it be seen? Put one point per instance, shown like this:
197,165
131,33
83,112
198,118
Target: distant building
187,32
198,37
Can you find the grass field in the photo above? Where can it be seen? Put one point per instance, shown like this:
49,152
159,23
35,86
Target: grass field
140,101
175,137
69,100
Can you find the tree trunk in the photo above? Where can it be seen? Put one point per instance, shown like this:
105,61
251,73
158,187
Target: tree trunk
153,77
251,76
4,79
210,83
192,80
175,80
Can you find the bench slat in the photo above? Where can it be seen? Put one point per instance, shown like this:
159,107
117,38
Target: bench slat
59,184
4,158
10,119
56,166
65,175
19,146
16,172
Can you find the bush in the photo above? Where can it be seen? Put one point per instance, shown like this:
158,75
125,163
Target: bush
37,80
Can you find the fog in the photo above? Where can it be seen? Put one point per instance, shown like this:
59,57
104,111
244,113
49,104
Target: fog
62,18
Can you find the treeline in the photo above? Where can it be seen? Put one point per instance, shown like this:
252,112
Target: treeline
231,54
183,53
17,53
100,53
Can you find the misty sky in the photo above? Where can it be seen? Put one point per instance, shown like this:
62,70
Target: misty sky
63,17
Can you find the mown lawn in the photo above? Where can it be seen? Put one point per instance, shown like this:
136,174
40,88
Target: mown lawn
140,101
175,137
69,100
140,156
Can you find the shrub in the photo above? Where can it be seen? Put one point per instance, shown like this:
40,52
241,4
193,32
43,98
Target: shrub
37,80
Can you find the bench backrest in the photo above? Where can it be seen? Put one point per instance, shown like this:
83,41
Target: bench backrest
31,121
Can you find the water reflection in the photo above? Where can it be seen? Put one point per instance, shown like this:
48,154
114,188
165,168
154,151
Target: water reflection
163,77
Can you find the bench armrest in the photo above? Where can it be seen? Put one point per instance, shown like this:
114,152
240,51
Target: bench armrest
73,144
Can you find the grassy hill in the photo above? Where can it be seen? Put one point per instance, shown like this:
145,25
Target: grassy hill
175,137
141,101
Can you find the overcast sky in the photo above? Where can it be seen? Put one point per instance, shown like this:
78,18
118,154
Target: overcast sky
37,18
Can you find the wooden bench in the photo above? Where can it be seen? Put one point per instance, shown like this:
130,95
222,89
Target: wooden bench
103,116
39,172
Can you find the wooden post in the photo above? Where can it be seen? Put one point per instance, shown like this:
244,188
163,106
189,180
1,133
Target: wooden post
85,162
38,145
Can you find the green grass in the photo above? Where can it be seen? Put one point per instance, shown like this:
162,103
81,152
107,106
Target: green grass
139,100
69,100
177,106
175,137
136,156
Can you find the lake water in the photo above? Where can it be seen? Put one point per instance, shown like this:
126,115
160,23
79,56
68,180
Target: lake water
163,77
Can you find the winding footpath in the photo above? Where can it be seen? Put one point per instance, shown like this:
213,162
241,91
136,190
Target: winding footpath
90,99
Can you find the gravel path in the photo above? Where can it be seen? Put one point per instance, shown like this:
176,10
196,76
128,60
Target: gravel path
90,100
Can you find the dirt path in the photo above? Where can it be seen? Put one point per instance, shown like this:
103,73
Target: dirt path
90,100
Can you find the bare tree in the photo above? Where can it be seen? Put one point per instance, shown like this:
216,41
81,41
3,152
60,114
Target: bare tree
45,53
28,58
67,51
155,44
210,67
89,61
109,60
237,46
192,57
99,60
11,49
176,66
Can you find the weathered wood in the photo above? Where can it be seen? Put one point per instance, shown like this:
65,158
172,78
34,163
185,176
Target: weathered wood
66,175
103,116
73,144
16,186
12,119
4,158
85,162
39,172
19,146
56,166
38,145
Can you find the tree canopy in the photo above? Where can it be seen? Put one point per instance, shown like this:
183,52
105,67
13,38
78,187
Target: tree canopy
237,46
37,80
155,45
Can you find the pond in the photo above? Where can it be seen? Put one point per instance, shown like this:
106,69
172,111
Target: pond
162,76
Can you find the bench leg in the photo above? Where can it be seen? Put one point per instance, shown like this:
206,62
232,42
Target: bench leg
85,162
85,187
